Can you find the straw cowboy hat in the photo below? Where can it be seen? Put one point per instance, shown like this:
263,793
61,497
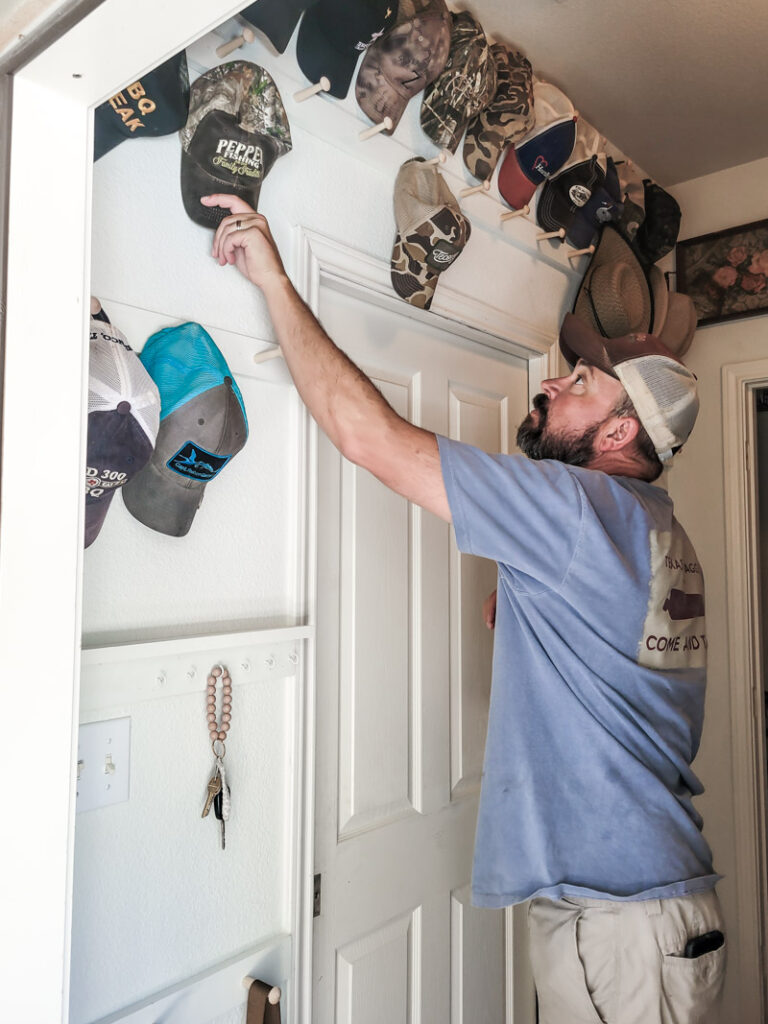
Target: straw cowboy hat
618,296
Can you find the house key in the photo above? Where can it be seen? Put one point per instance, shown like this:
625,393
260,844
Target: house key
214,788
218,810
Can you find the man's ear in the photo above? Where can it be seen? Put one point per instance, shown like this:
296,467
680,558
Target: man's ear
616,433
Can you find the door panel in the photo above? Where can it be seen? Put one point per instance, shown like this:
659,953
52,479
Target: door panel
403,679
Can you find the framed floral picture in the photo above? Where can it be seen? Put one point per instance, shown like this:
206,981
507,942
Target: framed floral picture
726,272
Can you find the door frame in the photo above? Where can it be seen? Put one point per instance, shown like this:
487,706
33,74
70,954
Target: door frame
739,382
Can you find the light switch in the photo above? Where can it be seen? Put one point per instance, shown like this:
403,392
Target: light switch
103,763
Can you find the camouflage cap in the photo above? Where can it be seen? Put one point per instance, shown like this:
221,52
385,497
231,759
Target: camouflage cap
431,231
464,87
236,130
508,117
405,60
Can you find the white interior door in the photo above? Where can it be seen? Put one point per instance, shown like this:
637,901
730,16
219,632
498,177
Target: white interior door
403,680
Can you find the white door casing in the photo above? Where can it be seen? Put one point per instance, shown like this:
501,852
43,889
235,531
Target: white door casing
403,677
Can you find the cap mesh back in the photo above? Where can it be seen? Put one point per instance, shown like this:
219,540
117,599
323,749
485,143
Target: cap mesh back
115,375
419,190
663,392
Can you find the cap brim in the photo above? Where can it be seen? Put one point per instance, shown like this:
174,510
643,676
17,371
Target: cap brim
680,324
579,341
277,19
515,188
160,503
95,513
195,182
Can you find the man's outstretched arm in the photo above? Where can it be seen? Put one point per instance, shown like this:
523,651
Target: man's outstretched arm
345,403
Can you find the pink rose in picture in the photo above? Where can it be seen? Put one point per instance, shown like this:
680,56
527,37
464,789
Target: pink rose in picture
753,282
726,277
737,255
759,264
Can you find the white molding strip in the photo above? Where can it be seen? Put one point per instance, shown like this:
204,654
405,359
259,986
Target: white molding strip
216,991
746,686
463,316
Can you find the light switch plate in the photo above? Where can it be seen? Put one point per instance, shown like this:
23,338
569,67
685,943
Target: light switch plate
103,763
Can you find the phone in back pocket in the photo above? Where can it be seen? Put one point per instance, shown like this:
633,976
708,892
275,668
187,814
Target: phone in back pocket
701,944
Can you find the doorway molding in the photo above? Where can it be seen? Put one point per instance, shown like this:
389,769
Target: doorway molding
739,382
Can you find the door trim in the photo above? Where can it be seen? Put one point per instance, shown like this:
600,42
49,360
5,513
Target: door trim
739,381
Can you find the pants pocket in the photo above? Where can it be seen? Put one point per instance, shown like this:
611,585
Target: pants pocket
691,989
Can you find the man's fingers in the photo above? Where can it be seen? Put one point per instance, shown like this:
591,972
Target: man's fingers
230,226
232,203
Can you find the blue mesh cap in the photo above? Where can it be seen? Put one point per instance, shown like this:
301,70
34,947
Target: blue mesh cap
202,426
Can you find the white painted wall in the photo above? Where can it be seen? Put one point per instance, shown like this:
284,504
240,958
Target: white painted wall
145,870
728,198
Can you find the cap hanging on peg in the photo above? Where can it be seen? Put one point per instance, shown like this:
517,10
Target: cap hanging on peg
386,126
573,253
560,233
247,36
522,212
439,159
274,994
322,86
484,187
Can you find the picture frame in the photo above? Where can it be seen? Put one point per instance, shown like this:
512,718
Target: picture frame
725,272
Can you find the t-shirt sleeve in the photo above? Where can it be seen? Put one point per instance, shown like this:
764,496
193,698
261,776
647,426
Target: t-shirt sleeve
523,513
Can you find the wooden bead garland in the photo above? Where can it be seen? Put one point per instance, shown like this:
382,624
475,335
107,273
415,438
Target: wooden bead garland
216,730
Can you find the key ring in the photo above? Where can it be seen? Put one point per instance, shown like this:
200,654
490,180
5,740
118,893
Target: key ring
222,751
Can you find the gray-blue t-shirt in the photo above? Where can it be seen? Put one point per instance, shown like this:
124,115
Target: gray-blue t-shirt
599,672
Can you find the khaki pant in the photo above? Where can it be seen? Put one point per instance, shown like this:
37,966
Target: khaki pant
605,962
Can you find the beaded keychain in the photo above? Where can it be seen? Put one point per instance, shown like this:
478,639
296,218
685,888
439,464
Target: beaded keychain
218,788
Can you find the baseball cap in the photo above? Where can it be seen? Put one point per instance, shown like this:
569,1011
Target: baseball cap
123,419
431,231
235,131
508,117
277,19
662,390
463,88
333,34
563,199
202,427
544,151
156,104
404,60
658,233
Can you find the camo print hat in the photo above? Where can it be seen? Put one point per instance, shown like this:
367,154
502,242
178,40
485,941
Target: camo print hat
508,117
202,427
405,60
431,231
236,130
463,88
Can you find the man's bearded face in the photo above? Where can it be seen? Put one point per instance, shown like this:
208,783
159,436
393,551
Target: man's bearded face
537,442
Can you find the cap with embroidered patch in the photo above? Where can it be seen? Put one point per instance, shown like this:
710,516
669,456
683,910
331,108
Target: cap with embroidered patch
236,130
431,231
662,390
464,87
544,151
202,427
405,60
334,34
123,419
154,105
277,19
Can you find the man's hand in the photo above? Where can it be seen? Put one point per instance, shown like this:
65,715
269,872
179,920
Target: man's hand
244,240
489,610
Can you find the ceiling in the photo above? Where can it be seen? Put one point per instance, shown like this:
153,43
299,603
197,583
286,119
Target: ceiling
679,86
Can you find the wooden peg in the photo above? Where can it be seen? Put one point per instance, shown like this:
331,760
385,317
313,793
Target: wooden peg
273,996
247,36
386,126
485,187
515,213
573,253
270,353
560,233
439,159
303,94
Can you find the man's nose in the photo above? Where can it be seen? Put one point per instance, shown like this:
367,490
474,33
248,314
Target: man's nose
553,386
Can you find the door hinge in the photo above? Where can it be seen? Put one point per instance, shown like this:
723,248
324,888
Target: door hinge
316,895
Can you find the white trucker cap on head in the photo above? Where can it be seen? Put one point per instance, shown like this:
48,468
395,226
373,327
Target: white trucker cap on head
662,390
